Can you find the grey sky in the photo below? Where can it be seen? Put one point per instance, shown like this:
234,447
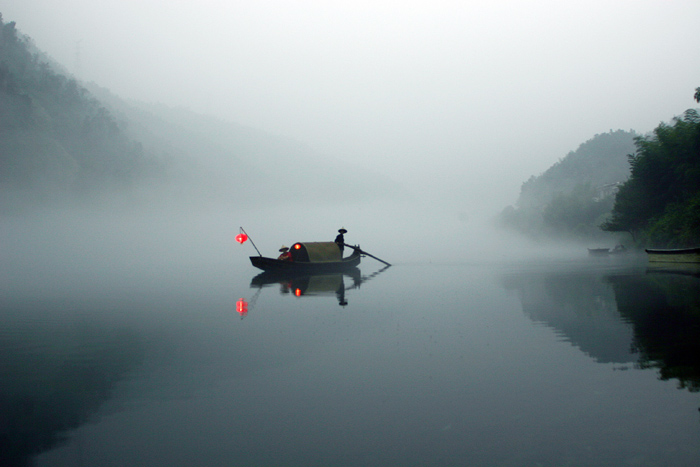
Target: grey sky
475,95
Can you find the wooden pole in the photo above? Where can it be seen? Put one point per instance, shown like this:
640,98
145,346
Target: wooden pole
251,241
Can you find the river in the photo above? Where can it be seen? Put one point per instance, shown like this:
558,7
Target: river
560,362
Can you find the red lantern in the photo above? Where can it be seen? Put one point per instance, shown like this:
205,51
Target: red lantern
241,237
242,307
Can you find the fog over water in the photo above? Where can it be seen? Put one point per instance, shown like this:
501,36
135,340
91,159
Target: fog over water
66,247
121,334
411,124
465,100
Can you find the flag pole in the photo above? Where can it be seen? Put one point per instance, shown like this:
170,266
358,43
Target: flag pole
251,241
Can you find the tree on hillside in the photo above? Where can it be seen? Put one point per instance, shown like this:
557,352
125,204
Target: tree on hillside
54,135
599,161
576,215
661,200
570,199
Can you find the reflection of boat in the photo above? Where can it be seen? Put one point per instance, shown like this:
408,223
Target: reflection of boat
310,257
318,281
685,269
681,255
313,284
307,284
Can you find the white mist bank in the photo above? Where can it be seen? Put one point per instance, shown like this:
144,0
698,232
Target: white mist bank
80,248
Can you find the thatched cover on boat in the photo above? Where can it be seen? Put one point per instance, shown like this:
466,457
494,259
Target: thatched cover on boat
316,252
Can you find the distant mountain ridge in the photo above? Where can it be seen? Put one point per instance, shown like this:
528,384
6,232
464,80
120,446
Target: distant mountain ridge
570,199
600,161
55,136
59,136
243,162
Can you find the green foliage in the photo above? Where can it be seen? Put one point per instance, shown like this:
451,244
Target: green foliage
628,213
576,214
660,203
679,226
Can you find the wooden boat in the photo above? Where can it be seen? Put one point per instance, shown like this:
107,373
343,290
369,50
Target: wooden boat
311,257
618,250
680,255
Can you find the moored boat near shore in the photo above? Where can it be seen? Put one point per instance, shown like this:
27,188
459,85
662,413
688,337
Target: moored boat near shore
618,250
679,255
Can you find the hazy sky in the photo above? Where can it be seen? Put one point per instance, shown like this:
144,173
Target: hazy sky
478,95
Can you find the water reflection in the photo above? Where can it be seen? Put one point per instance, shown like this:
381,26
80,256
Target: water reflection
580,306
309,285
467,381
648,317
56,374
663,308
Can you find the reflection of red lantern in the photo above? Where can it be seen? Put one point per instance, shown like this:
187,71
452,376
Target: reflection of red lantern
241,237
242,307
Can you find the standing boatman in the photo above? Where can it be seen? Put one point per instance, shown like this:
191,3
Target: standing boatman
340,240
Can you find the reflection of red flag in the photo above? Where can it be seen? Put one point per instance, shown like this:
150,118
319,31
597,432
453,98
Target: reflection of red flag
242,307
241,237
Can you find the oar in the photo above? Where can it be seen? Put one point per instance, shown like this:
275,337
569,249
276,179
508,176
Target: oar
357,248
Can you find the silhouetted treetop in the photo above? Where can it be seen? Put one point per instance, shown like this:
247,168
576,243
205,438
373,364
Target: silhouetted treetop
660,203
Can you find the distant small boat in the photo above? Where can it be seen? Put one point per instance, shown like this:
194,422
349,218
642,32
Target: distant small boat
311,257
618,250
680,255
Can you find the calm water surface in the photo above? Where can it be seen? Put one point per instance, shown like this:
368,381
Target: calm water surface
585,362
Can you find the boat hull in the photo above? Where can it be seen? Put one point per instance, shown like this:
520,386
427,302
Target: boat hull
271,264
684,255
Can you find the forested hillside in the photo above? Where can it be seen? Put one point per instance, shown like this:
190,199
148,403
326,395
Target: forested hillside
54,136
571,198
247,165
59,137
660,204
